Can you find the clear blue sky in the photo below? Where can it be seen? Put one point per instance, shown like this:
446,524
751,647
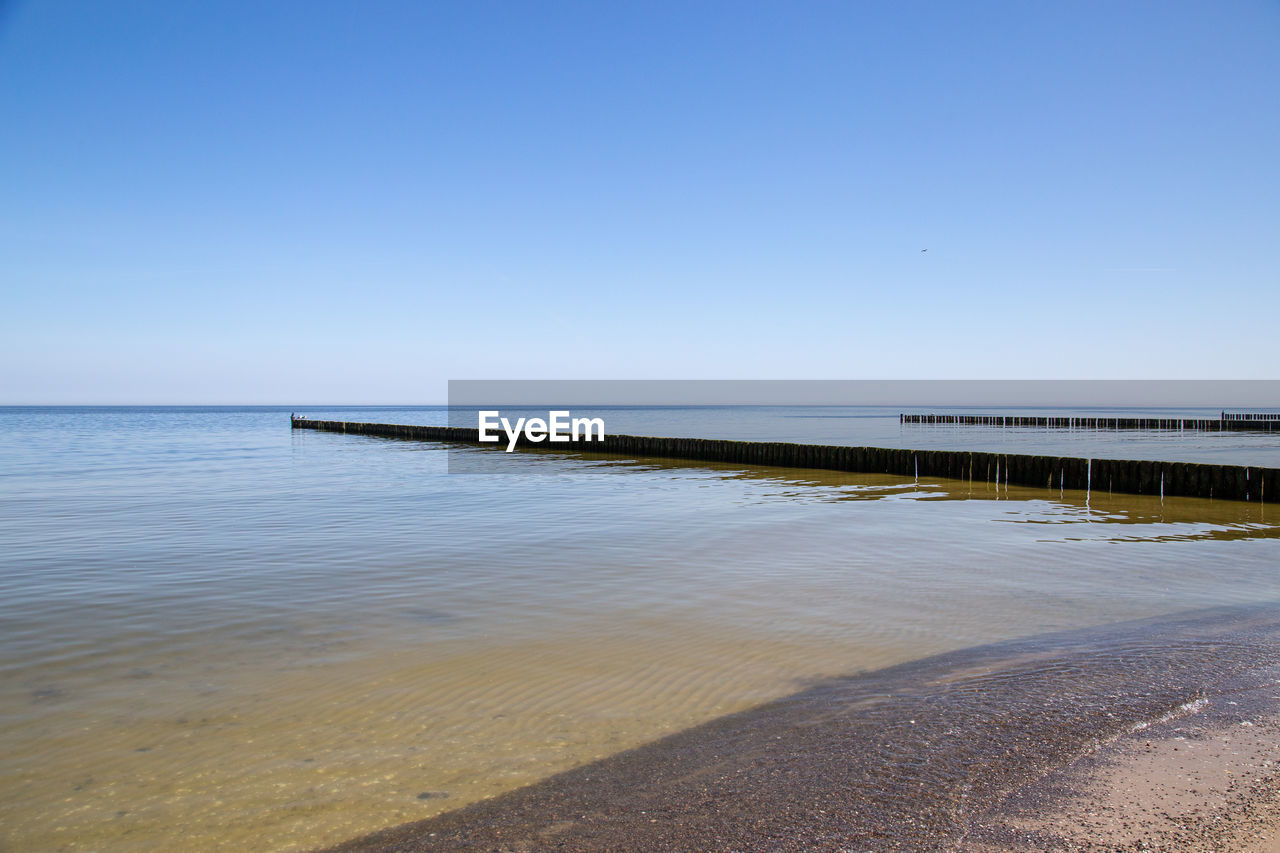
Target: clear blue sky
353,202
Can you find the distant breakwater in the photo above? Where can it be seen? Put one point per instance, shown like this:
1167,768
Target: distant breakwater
1186,479
1227,422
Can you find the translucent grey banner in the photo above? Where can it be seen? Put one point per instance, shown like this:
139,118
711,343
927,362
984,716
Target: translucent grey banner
1170,420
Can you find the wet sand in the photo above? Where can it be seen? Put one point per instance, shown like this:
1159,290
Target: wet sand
1057,742
1206,780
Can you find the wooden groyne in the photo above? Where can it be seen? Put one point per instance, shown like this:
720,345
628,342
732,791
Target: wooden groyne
1188,479
1228,421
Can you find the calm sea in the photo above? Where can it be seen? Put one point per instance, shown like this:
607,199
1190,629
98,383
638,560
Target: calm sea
219,634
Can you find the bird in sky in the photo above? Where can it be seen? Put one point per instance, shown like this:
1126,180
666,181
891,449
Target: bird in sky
924,250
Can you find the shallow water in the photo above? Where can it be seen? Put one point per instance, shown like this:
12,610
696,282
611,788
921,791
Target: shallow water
216,632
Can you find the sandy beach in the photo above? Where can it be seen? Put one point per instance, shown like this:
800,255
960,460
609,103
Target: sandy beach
1206,780
1145,736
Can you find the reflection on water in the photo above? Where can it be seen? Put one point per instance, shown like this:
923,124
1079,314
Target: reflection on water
1180,519
216,633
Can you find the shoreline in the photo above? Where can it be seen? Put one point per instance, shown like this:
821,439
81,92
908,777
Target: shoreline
1205,780
936,754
